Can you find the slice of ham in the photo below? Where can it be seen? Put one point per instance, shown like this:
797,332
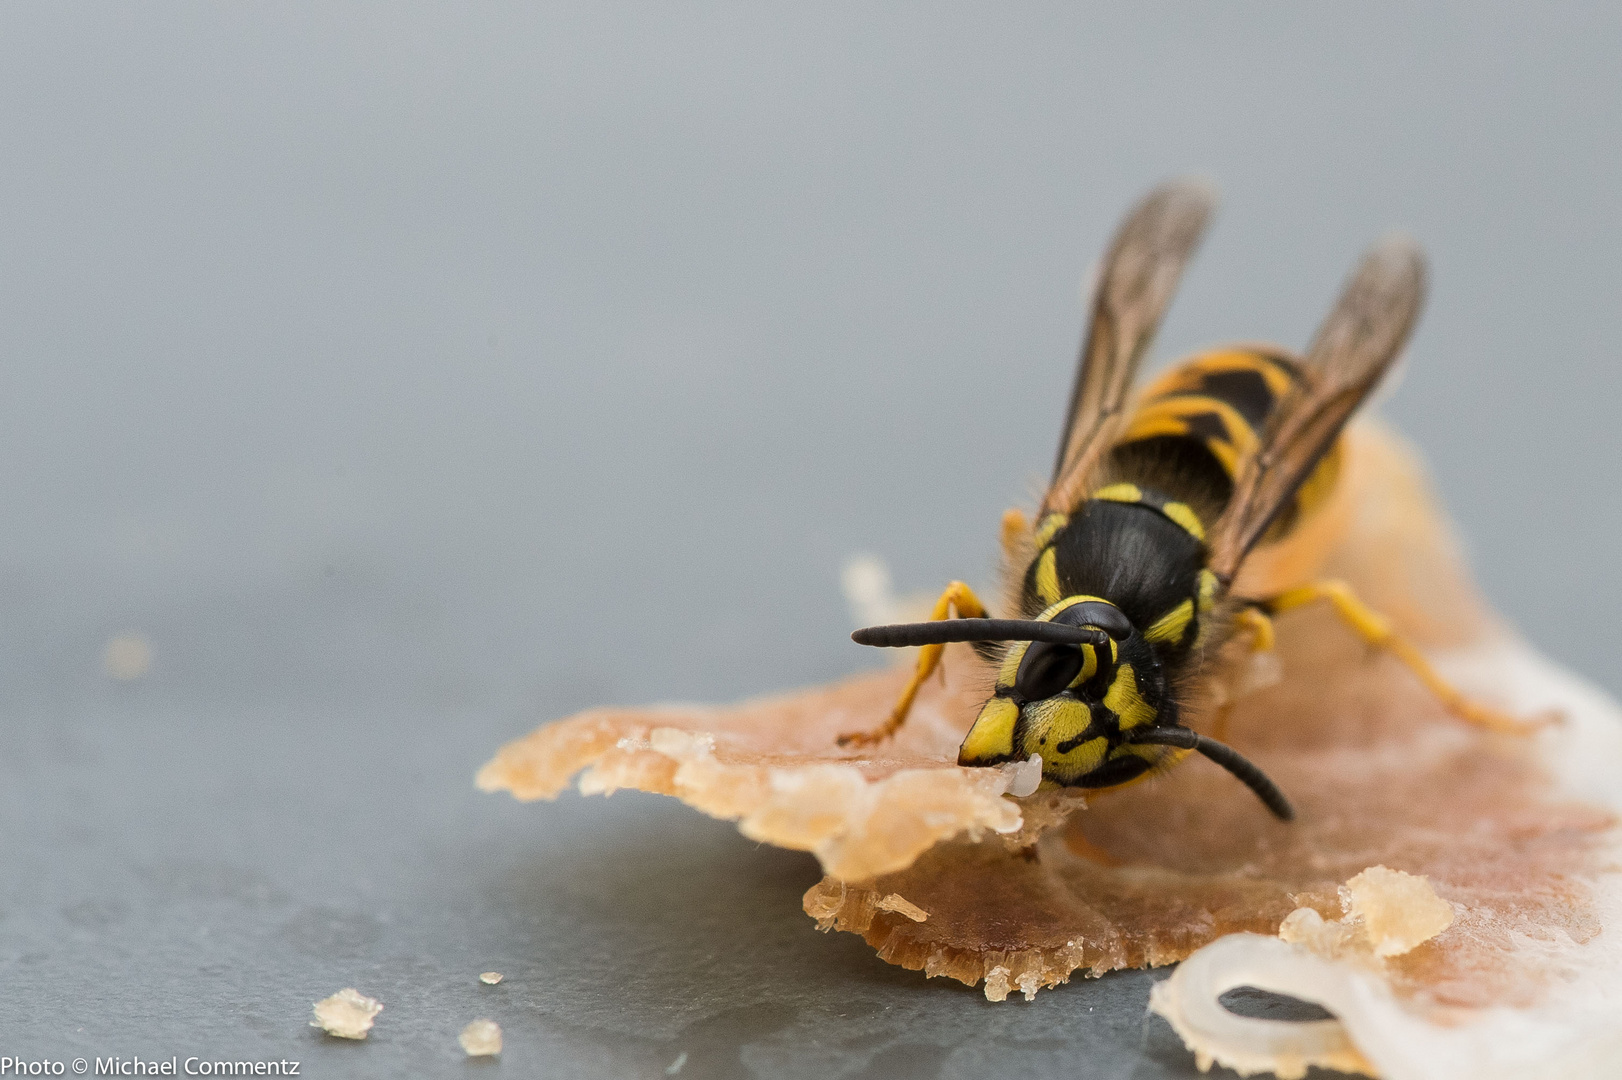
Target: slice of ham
1516,833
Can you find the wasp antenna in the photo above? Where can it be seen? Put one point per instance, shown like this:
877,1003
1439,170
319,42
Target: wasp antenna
1226,756
939,632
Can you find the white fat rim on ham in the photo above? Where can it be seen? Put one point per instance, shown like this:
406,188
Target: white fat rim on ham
1573,1031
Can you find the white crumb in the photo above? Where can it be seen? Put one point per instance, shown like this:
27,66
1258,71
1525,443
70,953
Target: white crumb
347,1014
481,1038
1023,776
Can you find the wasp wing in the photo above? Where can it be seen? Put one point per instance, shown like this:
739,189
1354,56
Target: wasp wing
1354,348
1135,283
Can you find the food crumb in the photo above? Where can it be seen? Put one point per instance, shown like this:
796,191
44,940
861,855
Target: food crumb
127,657
902,906
1388,913
1024,777
481,1038
347,1014
490,978
1399,911
675,1066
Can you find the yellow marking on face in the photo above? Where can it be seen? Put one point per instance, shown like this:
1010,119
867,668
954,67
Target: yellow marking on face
1127,493
1171,626
1050,526
1125,702
1089,666
1149,752
1010,664
1185,516
1066,768
1047,576
1208,588
1052,611
1054,721
992,735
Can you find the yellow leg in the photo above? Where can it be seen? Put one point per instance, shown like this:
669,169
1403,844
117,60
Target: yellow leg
1078,844
1375,629
1016,533
957,595
1260,628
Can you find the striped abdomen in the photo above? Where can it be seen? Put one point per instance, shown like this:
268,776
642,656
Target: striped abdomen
1195,426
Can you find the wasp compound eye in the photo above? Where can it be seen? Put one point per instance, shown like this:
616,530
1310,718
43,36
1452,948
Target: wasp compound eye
1046,669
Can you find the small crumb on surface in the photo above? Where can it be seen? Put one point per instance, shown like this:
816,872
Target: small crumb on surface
865,581
902,906
675,1066
348,1014
490,978
127,657
481,1038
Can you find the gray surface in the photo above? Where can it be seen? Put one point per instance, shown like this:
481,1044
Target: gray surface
409,376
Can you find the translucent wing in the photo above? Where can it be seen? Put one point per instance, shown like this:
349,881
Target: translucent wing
1135,285
1355,346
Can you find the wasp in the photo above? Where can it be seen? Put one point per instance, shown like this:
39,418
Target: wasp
1122,582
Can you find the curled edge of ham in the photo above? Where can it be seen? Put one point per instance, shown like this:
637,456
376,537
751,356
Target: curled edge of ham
1574,1029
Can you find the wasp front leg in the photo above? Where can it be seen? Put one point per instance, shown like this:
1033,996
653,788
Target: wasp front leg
968,606
1375,629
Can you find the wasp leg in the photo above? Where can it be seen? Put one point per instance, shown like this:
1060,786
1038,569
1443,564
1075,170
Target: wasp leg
1260,628
957,595
1375,629
1219,723
1076,842
1016,534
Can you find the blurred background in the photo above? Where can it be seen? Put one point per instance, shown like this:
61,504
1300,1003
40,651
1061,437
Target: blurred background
379,381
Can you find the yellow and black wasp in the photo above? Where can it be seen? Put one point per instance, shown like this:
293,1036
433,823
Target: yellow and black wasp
1123,581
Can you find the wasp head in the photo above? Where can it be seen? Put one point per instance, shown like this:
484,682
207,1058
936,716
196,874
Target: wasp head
1072,703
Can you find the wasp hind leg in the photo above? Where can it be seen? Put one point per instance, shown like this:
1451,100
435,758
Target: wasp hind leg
968,606
1375,629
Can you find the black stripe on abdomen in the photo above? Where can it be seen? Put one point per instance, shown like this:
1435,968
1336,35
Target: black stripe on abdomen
1246,391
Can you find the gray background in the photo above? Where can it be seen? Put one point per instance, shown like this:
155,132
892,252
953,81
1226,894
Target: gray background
409,375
